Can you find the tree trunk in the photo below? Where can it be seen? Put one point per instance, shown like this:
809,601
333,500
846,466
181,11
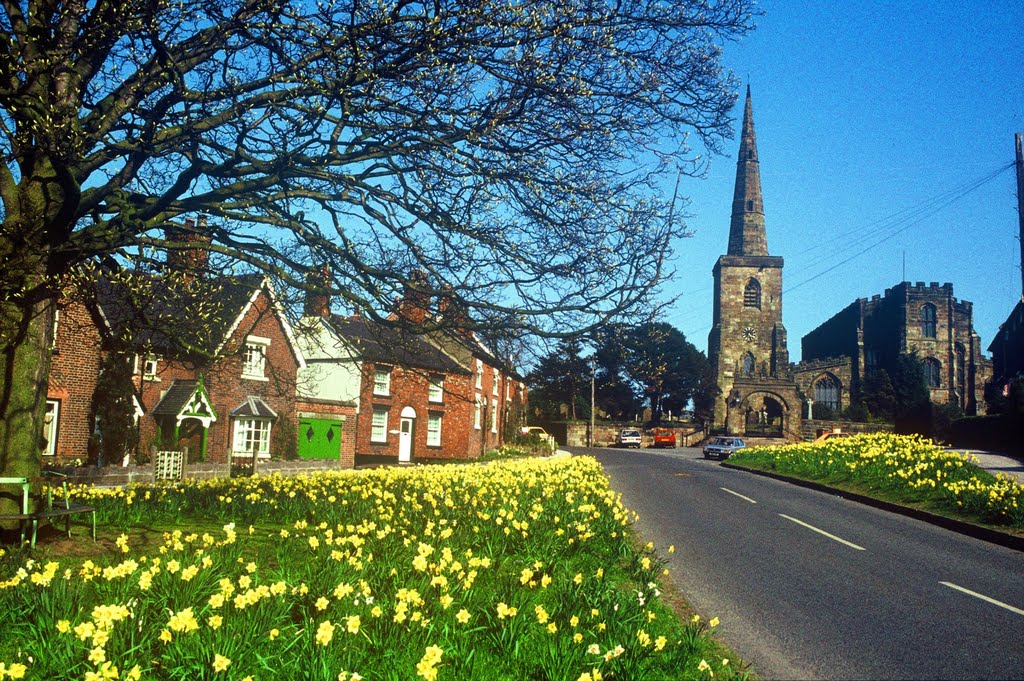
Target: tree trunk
25,338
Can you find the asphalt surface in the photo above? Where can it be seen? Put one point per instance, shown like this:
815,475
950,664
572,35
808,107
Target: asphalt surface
880,596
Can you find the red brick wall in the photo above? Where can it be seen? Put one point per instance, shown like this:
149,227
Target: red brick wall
74,370
228,389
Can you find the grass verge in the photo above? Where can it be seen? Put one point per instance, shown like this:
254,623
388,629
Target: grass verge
905,470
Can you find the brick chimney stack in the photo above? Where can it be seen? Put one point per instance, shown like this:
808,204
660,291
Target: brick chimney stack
451,311
318,295
414,305
188,259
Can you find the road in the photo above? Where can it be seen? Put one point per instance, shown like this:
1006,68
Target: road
808,585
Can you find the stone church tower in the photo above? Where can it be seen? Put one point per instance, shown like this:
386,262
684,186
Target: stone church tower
747,343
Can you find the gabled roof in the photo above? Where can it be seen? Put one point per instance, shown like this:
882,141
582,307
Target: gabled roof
183,320
254,407
379,343
186,398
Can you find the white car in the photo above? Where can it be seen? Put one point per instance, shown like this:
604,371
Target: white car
629,437
538,432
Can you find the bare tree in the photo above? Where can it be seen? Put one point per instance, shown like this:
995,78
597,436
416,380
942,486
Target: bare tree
501,147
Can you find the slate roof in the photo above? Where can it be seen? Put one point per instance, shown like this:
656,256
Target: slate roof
255,407
389,345
175,398
161,316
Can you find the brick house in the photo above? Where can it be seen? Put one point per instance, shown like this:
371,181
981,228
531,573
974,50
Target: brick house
223,387
418,397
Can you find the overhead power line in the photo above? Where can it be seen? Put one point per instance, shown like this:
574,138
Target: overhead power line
903,220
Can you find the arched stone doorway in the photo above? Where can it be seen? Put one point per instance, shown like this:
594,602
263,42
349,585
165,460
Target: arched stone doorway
764,415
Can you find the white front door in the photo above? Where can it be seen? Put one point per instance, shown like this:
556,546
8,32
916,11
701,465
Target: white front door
405,441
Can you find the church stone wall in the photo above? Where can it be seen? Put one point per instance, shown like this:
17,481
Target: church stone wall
806,374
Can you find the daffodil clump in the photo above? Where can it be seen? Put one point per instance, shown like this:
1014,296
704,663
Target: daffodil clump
512,570
905,467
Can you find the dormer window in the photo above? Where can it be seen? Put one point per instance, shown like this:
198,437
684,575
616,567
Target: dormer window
254,358
150,367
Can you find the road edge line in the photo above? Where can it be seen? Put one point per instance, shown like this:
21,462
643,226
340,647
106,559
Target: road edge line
959,526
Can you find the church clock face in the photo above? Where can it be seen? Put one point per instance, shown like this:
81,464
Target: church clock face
749,334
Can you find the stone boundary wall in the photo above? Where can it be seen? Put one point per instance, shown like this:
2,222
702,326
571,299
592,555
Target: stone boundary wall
812,428
605,433
113,476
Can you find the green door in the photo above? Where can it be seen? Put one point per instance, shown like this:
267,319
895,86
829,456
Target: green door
319,438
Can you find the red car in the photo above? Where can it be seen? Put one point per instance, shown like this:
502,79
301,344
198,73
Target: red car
664,437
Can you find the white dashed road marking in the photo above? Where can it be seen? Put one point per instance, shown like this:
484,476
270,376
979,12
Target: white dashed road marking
737,494
830,536
983,597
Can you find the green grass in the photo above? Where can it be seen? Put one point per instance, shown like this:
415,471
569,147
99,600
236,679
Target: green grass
372,572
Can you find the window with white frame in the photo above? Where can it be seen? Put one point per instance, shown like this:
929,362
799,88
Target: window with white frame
497,376
49,444
254,357
379,426
478,414
479,374
382,381
252,434
149,366
494,416
433,429
436,392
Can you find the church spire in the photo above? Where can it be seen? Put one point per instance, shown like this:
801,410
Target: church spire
746,231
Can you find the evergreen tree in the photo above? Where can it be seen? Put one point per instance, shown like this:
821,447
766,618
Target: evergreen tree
117,433
561,378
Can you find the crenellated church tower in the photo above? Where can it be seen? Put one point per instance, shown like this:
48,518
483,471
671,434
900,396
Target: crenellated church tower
747,343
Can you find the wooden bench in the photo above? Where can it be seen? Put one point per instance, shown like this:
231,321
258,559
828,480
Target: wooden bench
49,511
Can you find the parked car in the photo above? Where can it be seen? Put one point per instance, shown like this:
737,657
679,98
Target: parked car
830,436
531,432
664,437
722,447
629,437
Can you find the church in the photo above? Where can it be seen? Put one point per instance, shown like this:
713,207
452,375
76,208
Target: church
761,394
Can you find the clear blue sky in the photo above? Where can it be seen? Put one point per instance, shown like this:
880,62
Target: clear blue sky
872,118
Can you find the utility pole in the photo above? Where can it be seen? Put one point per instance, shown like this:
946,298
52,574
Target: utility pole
1020,205
593,379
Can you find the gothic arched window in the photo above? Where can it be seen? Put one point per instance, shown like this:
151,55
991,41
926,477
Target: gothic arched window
932,372
752,294
748,364
826,391
928,320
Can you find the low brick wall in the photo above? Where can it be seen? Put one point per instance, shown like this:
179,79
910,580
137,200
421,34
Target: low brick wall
114,476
